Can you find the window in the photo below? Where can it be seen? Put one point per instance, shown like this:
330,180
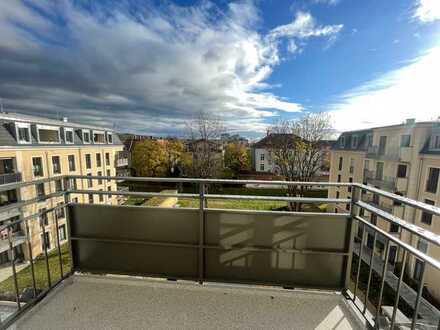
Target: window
342,142
373,219
393,254
89,181
86,136
261,167
58,185
354,142
48,134
379,171
351,169
62,232
107,158
98,160
382,145
98,137
436,142
427,217
40,190
349,187
432,182
72,184
337,194
45,241
37,166
71,161
108,173
101,197
401,171
369,140
56,165
44,221
262,157
422,245
339,178
109,138
394,228
88,161
91,198
418,266
99,180
68,135
340,163
366,164
405,140
23,132
370,241
59,213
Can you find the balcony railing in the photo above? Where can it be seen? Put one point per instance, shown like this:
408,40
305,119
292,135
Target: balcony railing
383,182
121,159
301,249
393,153
10,178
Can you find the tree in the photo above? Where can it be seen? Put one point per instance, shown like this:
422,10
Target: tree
297,151
204,138
173,154
237,158
149,158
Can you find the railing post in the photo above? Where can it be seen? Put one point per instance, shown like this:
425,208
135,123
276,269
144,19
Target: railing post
370,272
353,212
399,285
14,271
31,258
201,232
382,284
419,296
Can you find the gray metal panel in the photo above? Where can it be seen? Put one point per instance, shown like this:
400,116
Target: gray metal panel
246,246
276,231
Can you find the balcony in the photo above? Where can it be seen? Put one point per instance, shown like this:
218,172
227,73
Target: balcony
121,159
401,184
210,267
391,153
6,178
383,182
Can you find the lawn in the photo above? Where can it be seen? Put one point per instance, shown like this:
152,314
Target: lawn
24,276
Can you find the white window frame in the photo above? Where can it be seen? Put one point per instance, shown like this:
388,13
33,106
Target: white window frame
98,132
23,125
90,136
49,128
69,129
42,166
109,134
353,140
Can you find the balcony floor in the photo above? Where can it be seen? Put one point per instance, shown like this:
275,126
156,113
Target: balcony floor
98,302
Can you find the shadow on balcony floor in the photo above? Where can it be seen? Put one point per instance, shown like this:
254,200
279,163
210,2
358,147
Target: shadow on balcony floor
97,302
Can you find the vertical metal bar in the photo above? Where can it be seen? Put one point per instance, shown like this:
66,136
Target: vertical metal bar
353,209
45,250
14,271
419,295
399,284
370,272
201,232
359,263
60,259
382,284
29,244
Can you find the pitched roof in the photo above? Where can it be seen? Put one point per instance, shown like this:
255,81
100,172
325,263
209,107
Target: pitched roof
274,139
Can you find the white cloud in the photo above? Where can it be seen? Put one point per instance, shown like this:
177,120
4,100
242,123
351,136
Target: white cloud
155,68
427,10
408,92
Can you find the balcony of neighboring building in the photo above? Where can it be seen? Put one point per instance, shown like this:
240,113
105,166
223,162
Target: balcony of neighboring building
377,179
121,158
391,153
8,174
202,266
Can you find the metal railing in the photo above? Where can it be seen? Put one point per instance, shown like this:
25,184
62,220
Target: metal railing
10,178
355,265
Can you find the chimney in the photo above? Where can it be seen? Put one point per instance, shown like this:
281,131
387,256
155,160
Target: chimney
65,119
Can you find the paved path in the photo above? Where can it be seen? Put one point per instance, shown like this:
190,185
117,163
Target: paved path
426,310
6,270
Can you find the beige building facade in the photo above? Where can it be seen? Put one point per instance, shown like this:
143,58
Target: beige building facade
33,148
403,159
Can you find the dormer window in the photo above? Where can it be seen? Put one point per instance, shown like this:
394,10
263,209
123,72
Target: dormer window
436,142
23,132
98,137
86,136
342,142
109,137
48,134
68,135
354,142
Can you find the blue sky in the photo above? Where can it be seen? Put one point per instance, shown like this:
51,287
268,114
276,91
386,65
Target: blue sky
150,66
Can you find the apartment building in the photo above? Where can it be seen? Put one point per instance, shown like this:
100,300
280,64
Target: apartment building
403,159
34,148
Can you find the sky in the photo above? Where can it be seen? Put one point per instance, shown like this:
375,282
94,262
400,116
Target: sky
149,67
